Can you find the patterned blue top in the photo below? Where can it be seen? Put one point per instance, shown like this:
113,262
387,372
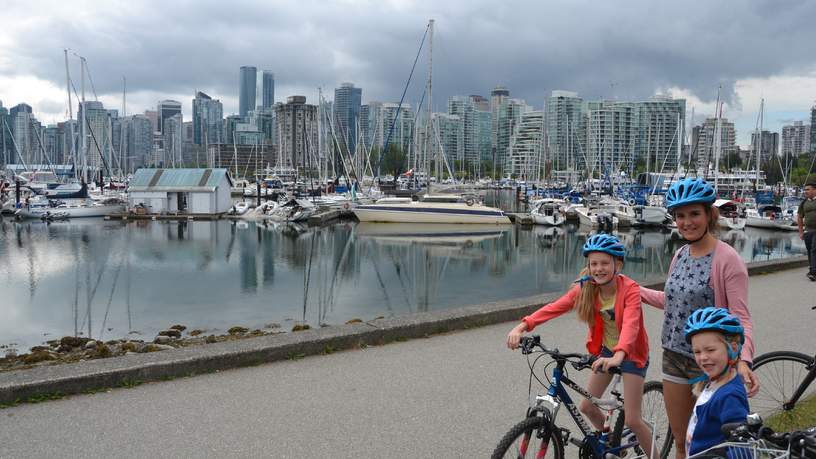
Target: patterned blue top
687,289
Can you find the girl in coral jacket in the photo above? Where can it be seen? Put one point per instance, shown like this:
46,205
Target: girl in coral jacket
609,303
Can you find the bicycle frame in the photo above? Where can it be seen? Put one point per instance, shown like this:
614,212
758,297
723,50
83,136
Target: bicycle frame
557,394
789,405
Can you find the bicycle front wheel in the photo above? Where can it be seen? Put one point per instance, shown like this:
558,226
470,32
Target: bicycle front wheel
525,440
780,374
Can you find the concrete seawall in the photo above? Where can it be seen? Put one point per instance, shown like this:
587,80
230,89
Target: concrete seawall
113,372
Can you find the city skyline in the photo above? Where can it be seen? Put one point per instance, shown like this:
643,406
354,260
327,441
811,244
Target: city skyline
307,45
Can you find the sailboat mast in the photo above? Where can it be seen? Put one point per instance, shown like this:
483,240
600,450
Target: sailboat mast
70,115
429,129
759,142
84,149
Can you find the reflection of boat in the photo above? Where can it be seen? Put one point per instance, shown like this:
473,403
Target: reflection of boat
439,233
548,212
431,209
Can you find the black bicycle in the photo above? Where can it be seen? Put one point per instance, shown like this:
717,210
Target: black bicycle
751,439
538,436
785,378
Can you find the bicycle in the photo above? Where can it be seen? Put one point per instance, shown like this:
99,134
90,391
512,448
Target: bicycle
785,378
753,440
539,424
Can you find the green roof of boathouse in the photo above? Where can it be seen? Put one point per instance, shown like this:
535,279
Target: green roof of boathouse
178,180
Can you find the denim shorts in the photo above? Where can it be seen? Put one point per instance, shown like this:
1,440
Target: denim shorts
627,366
679,368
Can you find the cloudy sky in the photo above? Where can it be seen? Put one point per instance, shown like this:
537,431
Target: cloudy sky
626,50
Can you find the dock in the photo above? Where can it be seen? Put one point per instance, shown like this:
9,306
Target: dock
520,219
176,217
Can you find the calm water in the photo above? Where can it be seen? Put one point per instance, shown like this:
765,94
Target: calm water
112,279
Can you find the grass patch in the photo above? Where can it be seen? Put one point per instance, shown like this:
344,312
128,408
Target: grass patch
39,398
3,406
328,349
799,418
294,356
130,383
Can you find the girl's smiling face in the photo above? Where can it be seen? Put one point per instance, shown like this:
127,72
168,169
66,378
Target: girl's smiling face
692,221
710,352
602,266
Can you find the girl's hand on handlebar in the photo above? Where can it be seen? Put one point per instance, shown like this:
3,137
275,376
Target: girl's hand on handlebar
605,363
514,337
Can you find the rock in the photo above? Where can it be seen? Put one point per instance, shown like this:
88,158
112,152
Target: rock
301,327
103,351
180,328
162,339
39,356
53,342
73,341
211,339
63,349
354,321
173,333
130,347
196,332
237,330
272,325
11,353
90,344
113,342
157,348
40,348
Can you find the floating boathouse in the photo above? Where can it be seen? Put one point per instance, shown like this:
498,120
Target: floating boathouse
181,191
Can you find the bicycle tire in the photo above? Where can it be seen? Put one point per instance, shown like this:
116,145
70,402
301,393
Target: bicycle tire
653,408
780,373
528,427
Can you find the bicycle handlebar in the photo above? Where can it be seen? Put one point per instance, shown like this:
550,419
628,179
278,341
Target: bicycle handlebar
578,361
753,429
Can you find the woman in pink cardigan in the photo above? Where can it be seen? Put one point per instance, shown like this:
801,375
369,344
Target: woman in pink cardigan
703,273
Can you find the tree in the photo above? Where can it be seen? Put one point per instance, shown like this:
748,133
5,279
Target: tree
392,162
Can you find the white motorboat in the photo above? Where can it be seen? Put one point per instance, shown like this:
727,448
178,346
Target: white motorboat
595,218
770,217
620,209
731,216
86,208
430,209
548,212
267,210
239,208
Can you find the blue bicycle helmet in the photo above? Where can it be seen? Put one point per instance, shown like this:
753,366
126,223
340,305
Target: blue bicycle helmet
689,191
604,243
713,319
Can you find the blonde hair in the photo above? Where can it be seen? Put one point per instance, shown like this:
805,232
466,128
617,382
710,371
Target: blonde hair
585,302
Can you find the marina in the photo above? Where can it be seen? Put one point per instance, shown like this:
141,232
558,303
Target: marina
109,279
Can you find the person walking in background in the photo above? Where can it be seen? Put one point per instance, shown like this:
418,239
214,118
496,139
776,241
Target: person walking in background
807,227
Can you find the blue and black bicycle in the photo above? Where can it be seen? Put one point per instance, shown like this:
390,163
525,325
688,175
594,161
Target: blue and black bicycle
538,436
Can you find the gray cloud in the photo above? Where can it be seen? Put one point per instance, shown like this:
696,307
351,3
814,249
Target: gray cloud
626,50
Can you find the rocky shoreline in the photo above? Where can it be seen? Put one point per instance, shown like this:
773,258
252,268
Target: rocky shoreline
71,349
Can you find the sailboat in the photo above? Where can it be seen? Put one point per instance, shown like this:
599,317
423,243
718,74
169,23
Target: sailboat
431,208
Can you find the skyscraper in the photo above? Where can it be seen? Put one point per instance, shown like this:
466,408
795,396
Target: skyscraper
96,134
767,143
208,120
347,100
526,150
565,129
813,129
662,123
796,138
167,109
265,90
611,136
248,77
702,141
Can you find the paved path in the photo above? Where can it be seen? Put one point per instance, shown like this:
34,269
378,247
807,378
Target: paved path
447,396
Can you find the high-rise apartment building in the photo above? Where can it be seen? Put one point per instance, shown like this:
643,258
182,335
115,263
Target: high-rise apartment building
448,139
347,106
796,138
23,134
508,116
139,142
297,127
97,146
767,143
208,120
612,131
498,97
703,143
813,129
526,158
247,80
399,128
662,123
566,130
473,112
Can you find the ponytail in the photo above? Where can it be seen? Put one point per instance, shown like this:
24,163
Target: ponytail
585,302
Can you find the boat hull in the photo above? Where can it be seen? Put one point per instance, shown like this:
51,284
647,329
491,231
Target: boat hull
72,212
734,223
419,212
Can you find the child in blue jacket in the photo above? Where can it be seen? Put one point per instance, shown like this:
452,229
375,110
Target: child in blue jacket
716,338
